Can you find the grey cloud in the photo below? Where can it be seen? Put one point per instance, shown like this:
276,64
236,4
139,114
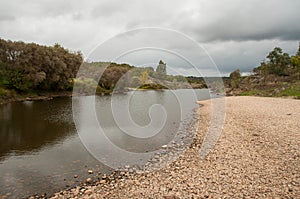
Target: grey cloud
107,9
7,17
236,33
242,21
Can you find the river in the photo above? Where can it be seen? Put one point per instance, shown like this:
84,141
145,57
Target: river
40,149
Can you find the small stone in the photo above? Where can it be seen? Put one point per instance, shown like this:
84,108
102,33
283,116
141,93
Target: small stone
82,190
88,192
90,171
122,173
102,181
75,176
164,146
89,180
76,192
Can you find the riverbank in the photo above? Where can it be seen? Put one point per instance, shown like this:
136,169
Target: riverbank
34,96
257,156
8,96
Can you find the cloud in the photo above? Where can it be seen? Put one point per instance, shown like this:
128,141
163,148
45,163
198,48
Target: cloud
243,20
236,33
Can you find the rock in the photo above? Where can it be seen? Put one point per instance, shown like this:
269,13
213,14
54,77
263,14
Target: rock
102,181
75,176
89,180
88,192
164,146
76,191
90,171
122,173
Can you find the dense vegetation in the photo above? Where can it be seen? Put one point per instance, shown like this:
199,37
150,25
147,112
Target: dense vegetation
36,70
279,75
25,67
123,77
32,69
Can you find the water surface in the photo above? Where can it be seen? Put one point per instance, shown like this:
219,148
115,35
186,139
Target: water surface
40,150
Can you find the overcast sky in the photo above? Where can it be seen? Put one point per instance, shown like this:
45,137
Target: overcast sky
235,33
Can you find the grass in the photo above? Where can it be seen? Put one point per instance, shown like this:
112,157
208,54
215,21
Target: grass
292,91
152,87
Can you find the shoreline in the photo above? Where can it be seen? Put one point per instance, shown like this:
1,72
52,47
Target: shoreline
265,138
43,96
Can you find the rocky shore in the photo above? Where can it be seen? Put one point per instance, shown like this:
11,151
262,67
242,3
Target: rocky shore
257,156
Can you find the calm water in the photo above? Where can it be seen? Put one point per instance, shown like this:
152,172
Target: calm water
40,150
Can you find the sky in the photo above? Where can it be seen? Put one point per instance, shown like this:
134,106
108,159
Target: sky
231,33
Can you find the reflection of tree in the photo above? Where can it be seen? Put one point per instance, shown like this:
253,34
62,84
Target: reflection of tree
26,127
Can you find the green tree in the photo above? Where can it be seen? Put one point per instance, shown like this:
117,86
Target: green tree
31,66
295,61
278,62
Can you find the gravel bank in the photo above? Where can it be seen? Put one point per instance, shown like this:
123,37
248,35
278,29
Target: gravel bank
257,156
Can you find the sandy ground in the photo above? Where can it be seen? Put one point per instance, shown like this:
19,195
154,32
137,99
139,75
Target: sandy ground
257,156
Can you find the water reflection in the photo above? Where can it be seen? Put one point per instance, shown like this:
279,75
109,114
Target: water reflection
28,126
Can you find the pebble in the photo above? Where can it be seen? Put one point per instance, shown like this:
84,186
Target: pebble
233,169
88,192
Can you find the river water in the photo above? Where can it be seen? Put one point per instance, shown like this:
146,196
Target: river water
40,149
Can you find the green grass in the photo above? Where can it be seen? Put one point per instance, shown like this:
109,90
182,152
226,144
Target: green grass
152,87
292,91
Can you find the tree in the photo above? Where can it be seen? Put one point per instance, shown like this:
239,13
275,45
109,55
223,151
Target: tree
31,66
278,62
112,75
295,61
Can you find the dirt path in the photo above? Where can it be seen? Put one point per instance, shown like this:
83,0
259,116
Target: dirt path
257,156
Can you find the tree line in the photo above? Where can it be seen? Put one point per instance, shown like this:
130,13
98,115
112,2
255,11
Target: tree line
277,75
280,63
25,67
32,68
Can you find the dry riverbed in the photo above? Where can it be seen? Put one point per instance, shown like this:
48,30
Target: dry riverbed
257,156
